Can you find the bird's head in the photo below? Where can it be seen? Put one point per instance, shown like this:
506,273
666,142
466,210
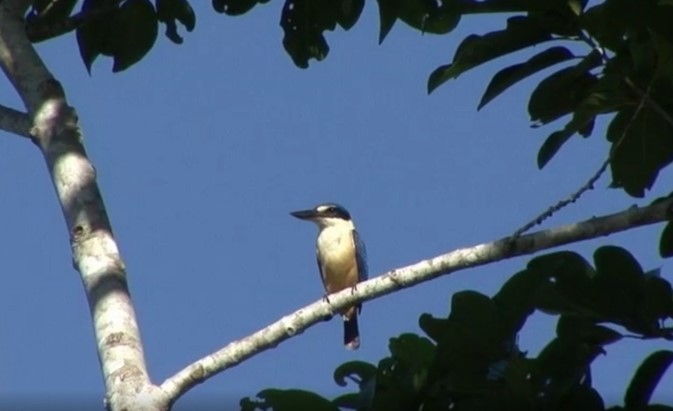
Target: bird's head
325,215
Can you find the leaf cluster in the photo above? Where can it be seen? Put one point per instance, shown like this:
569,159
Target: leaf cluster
470,359
614,57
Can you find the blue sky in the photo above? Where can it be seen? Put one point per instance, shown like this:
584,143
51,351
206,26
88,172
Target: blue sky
203,149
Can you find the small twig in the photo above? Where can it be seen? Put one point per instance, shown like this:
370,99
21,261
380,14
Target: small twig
590,183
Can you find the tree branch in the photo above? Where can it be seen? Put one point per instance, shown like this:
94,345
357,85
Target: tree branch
14,121
95,252
295,323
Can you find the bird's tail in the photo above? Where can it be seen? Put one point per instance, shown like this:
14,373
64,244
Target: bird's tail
351,331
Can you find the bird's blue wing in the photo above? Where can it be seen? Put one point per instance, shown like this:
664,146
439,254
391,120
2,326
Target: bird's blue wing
317,259
361,255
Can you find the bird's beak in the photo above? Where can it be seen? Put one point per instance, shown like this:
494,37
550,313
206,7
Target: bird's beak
305,214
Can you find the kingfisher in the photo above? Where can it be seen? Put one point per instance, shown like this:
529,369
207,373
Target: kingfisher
342,259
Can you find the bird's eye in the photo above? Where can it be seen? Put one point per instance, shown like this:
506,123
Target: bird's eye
331,210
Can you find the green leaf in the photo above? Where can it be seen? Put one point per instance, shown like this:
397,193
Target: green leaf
605,96
94,35
666,241
170,11
511,75
502,6
664,49
584,398
607,22
388,16
515,300
352,369
412,350
646,379
236,7
552,145
474,50
658,302
427,17
134,31
571,292
435,328
430,17
584,330
560,21
289,400
45,13
618,263
618,284
349,12
560,369
415,354
641,147
303,22
559,94
478,319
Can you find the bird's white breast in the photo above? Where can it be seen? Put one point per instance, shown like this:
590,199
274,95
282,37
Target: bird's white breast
336,252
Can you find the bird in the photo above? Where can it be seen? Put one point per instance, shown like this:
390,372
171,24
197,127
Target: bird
342,259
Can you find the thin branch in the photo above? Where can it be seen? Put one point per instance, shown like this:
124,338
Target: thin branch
14,121
589,185
295,323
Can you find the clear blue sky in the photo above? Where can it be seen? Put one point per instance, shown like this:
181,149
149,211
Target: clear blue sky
203,149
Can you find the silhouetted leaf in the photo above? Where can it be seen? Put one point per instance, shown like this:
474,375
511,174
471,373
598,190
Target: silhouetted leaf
584,398
585,330
304,21
412,350
387,16
571,292
559,94
360,369
474,50
349,12
288,400
560,368
94,36
646,379
641,147
511,75
658,302
45,13
502,6
618,284
516,298
605,96
666,241
552,145
170,11
134,32
235,7
607,22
